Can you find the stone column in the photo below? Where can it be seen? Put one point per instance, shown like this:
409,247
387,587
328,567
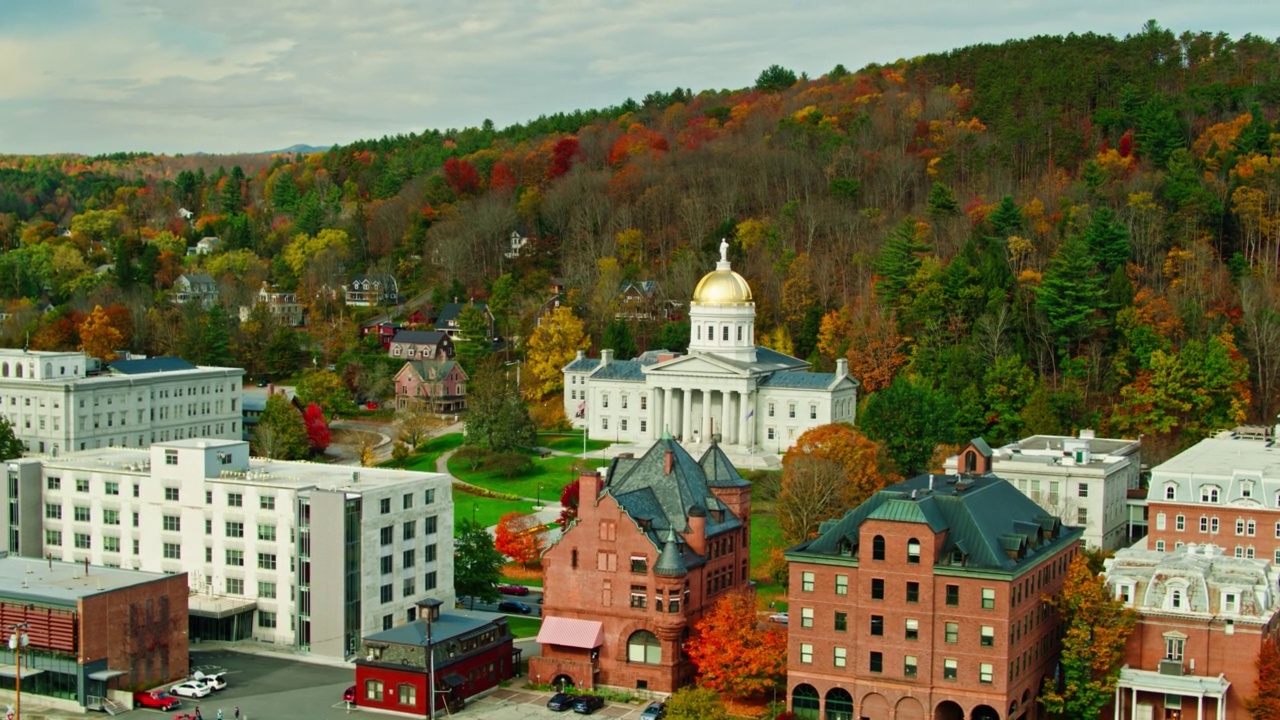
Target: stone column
668,410
686,420
707,424
655,413
726,434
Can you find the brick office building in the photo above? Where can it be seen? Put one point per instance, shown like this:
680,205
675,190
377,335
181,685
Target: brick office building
1223,490
925,602
1202,616
657,541
93,632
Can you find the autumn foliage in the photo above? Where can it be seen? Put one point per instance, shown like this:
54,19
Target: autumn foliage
733,653
1265,703
462,176
831,469
569,502
518,536
317,427
99,337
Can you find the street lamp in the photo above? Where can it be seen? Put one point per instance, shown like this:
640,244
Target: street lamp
17,641
538,501
475,506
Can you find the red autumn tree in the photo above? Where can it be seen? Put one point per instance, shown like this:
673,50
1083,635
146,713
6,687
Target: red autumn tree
317,427
1265,704
500,177
462,176
569,503
518,537
563,156
734,654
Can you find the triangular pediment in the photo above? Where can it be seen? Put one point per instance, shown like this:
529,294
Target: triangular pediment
699,364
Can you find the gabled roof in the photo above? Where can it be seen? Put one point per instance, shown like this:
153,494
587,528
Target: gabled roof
452,311
150,365
644,287
585,364
442,368
419,337
982,516
621,370
718,470
198,278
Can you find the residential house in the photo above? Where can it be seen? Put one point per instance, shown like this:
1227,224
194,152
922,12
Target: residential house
1083,480
657,542
463,652
421,345
441,384
1202,617
372,291
516,242
195,288
448,319
385,330
283,306
208,245
927,601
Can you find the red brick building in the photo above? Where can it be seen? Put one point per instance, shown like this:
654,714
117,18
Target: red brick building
1202,616
1222,490
657,541
473,652
94,632
925,602
440,385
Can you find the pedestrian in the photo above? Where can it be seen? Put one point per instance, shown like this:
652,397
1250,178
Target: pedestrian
198,715
237,712
219,713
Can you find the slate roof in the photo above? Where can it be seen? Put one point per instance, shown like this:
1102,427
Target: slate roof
660,502
644,287
718,470
586,364
451,312
198,279
449,625
150,365
621,370
986,520
419,337
442,368
798,379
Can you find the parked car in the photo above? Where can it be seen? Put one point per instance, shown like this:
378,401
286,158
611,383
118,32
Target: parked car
158,699
588,704
215,680
191,689
349,695
513,590
561,701
779,618
655,711
513,606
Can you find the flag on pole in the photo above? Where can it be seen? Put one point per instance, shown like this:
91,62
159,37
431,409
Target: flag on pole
582,409
751,412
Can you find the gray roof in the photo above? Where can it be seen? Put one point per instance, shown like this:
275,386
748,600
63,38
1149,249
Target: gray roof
419,337
150,365
441,367
585,364
38,580
198,278
798,379
452,311
621,370
660,502
719,471
451,624
984,517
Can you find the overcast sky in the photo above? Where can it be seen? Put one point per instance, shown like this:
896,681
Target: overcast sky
95,76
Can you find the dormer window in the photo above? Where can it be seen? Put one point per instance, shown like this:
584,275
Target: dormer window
1230,602
1246,489
1171,493
1177,598
1209,494
1124,593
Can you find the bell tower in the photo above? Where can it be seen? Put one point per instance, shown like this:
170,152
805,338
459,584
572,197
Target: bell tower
722,314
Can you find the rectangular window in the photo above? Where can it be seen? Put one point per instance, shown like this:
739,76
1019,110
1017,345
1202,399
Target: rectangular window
806,653
53,538
110,517
1173,647
384,506
952,631
877,661
266,590
53,512
988,598
407,589
387,535
171,494
912,629
986,673
950,669
112,488
235,500
170,457
429,525
409,530
267,533
235,586
407,500
387,564
877,589
172,551
54,483
910,666
171,523
1251,528
639,564
235,529
806,617
877,625
1082,516
913,592
842,584
429,582
386,593
235,558
639,596
266,619
82,541
266,561
429,553
266,503
842,621
953,595
839,657
806,582
988,636
408,558
1082,490
1180,523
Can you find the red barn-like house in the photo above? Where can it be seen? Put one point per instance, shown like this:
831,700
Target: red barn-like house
473,652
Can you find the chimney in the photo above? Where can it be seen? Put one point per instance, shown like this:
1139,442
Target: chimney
697,537
606,357
581,354
588,491
86,566
668,462
930,482
842,368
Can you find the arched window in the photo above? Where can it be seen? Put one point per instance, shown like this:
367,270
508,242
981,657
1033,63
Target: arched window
1171,492
4,370
724,335
877,547
699,331
839,704
643,647
1209,493
804,702
17,368
48,370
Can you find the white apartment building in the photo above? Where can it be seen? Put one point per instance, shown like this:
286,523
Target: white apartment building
1084,481
303,555
65,401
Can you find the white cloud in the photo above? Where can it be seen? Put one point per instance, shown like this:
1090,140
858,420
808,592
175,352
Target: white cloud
253,75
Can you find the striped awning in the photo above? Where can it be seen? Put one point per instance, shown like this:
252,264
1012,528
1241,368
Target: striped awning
585,634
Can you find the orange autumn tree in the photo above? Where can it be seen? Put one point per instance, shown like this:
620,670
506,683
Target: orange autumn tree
733,653
99,336
517,536
1097,626
830,469
1265,704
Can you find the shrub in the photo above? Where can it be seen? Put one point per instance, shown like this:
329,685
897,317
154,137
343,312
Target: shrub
473,455
510,464
399,451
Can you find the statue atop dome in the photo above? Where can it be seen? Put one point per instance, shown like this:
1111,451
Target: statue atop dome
724,250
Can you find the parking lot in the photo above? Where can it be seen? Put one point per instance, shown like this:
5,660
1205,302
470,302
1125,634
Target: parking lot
274,688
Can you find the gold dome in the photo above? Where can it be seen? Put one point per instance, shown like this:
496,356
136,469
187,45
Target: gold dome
722,287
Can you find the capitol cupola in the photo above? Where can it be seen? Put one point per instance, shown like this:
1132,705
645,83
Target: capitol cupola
722,315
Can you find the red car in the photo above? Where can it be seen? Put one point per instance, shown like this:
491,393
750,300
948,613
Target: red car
158,699
349,695
513,590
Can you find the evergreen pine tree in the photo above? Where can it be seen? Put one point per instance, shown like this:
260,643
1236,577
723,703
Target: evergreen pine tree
899,259
617,337
1070,293
1108,240
1256,137
1007,218
942,202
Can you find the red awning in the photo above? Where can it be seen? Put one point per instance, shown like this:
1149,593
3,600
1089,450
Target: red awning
586,634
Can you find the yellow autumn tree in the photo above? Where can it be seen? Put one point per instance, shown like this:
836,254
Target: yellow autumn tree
552,345
303,248
99,337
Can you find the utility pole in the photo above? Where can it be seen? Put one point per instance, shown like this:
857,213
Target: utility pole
17,641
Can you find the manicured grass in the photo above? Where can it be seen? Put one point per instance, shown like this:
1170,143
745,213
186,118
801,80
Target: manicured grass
523,627
765,535
552,473
570,442
486,511
425,459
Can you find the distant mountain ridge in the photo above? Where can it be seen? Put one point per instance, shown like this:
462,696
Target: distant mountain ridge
302,148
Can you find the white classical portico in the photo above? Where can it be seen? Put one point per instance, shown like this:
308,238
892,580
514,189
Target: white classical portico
727,388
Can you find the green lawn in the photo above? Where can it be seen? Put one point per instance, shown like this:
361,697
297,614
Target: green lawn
570,442
552,473
486,511
425,459
523,627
